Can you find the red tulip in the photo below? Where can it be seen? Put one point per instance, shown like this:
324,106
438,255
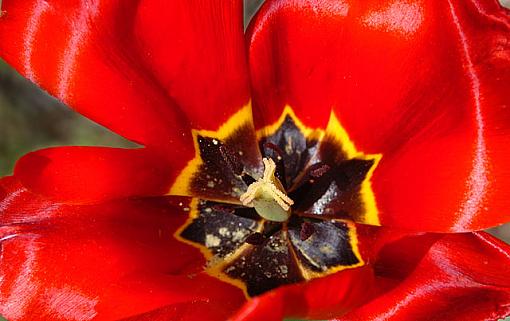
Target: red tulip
334,162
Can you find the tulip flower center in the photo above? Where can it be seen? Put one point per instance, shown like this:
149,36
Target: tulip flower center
267,195
276,206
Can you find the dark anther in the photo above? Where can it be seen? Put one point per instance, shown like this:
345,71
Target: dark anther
232,160
275,149
319,169
276,154
307,230
312,185
235,164
255,239
247,179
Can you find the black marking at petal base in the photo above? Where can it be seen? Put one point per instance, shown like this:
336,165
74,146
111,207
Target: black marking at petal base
351,173
214,178
330,151
232,160
323,173
336,193
329,247
265,267
294,148
218,229
220,176
255,239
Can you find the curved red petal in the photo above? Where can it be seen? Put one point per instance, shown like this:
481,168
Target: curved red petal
107,261
93,174
451,172
317,299
212,310
346,290
464,276
84,53
282,66
196,51
423,83
146,69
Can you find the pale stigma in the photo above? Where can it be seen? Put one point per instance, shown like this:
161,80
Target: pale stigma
267,195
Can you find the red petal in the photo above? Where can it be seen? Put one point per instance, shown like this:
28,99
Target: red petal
217,310
341,292
91,174
145,69
424,83
107,261
317,299
329,296
461,277
83,54
196,51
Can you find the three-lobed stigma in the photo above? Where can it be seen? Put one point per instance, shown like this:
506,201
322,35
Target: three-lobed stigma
267,195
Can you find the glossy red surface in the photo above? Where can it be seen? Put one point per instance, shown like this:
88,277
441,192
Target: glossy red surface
424,83
459,277
119,260
85,54
92,174
102,262
195,50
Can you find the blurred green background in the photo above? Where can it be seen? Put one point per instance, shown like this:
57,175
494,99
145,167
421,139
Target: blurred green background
30,119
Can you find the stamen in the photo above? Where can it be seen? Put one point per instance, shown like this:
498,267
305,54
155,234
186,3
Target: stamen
307,230
319,169
267,195
277,155
274,149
